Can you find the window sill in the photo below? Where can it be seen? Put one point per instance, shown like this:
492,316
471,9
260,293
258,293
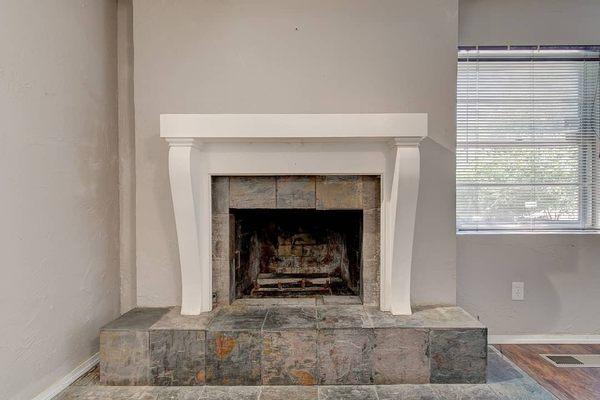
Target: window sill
517,232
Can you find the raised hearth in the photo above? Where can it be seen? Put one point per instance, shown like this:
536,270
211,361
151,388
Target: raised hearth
303,341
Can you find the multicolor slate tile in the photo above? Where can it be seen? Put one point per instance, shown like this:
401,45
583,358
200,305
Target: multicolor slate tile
175,393
384,319
406,392
220,195
337,300
505,381
371,255
345,356
286,318
124,357
401,356
465,392
233,358
252,192
300,344
140,318
238,318
177,357
289,393
342,316
446,317
458,355
347,393
339,192
220,236
173,320
289,357
371,192
296,192
232,393
222,282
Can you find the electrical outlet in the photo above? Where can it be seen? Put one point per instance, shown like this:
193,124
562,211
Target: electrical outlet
518,290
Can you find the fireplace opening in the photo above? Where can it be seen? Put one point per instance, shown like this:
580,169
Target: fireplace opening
296,253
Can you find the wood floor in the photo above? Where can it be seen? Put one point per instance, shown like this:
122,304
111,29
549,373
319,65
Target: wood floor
564,383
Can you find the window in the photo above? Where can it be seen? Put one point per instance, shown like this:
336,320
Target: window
528,125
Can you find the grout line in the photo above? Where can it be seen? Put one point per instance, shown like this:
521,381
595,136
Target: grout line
376,393
262,326
260,361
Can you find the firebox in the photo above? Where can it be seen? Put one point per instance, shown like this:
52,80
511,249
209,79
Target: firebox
296,253
296,236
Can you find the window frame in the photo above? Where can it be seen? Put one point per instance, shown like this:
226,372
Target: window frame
587,174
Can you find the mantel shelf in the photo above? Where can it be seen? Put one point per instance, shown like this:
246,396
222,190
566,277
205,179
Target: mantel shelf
295,127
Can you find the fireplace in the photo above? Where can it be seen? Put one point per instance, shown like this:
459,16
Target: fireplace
294,205
297,253
296,236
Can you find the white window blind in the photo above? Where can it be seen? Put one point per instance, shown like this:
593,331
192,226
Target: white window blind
528,123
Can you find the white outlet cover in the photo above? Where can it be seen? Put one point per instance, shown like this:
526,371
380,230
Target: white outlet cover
518,290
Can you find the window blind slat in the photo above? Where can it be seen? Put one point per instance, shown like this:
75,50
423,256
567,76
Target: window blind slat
528,126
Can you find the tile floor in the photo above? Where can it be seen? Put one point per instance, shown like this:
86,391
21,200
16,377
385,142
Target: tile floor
505,381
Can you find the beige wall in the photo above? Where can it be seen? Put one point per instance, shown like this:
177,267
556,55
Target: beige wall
294,56
561,272
127,254
561,275
499,22
59,196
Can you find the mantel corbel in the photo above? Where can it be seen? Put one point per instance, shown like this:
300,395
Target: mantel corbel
190,190
403,210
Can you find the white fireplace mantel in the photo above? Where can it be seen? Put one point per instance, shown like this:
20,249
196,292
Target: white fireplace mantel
203,145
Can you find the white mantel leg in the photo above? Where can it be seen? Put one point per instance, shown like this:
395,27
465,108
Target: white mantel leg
190,189
403,209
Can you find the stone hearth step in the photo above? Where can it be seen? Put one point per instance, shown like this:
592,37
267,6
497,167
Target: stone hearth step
293,345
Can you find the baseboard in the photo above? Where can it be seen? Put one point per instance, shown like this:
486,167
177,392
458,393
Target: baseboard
544,339
68,379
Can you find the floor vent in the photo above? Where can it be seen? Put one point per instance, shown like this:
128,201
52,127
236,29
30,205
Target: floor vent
573,360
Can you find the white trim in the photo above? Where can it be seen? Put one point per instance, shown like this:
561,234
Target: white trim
544,339
202,145
287,126
68,379
491,232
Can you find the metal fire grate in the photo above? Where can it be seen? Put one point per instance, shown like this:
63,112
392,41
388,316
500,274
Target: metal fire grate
573,360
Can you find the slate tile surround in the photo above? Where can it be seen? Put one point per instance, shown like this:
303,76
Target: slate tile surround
293,345
337,192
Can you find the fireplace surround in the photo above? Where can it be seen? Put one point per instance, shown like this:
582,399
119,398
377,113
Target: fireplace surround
296,236
202,146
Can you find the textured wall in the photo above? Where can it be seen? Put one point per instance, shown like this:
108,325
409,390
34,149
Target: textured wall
493,22
561,272
59,197
126,154
294,56
561,275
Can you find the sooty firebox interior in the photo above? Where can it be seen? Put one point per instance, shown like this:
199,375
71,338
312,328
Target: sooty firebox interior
296,253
